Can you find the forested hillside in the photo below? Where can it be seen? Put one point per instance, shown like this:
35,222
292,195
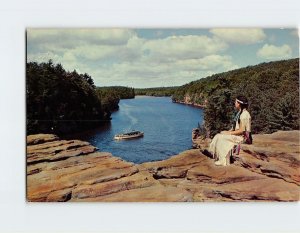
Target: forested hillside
63,102
59,101
110,96
272,89
156,91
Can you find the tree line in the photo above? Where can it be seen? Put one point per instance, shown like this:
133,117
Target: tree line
63,102
271,88
59,101
156,91
111,96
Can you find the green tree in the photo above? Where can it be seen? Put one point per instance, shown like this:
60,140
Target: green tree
286,114
264,85
219,112
60,102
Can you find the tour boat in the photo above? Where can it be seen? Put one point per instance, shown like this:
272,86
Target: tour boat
130,135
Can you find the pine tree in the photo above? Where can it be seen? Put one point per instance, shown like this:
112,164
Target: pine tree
219,111
286,114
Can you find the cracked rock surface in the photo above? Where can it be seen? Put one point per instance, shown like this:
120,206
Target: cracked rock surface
73,170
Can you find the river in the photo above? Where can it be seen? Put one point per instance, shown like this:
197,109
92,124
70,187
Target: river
167,129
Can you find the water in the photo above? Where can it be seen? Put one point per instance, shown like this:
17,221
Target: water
167,129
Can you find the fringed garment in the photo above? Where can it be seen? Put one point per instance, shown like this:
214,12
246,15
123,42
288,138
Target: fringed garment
222,144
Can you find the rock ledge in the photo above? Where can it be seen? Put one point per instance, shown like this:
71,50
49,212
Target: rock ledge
73,170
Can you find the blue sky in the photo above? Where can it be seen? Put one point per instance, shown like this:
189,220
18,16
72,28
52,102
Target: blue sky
159,57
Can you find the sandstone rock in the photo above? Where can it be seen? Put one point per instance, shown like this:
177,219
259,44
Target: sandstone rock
208,182
198,141
154,193
253,190
40,138
57,151
60,195
72,170
135,181
275,155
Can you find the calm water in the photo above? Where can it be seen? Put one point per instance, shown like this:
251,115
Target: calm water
167,129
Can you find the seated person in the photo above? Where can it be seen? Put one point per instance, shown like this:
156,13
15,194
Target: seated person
224,142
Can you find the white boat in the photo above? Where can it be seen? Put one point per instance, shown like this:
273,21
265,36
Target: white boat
130,135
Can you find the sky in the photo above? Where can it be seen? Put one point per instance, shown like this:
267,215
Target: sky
143,58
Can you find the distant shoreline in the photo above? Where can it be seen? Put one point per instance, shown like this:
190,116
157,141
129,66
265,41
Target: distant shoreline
176,102
141,96
190,104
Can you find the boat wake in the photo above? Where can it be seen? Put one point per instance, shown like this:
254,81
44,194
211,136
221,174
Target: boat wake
127,112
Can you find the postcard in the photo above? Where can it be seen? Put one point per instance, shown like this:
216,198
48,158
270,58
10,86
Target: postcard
162,115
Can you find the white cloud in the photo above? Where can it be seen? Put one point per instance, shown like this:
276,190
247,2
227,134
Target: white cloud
43,57
240,36
70,38
208,63
274,52
183,47
106,43
157,73
94,52
120,57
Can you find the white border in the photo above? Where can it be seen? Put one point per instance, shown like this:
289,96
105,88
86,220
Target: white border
18,216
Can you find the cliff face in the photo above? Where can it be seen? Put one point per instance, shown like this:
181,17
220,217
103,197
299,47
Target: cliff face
188,100
72,170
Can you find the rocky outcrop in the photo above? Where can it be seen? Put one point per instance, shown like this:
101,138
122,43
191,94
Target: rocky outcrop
190,103
72,170
40,138
188,100
274,155
208,182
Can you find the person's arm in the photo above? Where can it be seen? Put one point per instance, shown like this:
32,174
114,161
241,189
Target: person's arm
233,132
238,131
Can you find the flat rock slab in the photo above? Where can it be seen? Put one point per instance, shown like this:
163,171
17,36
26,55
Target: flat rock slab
275,155
150,194
60,150
208,182
40,138
73,170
